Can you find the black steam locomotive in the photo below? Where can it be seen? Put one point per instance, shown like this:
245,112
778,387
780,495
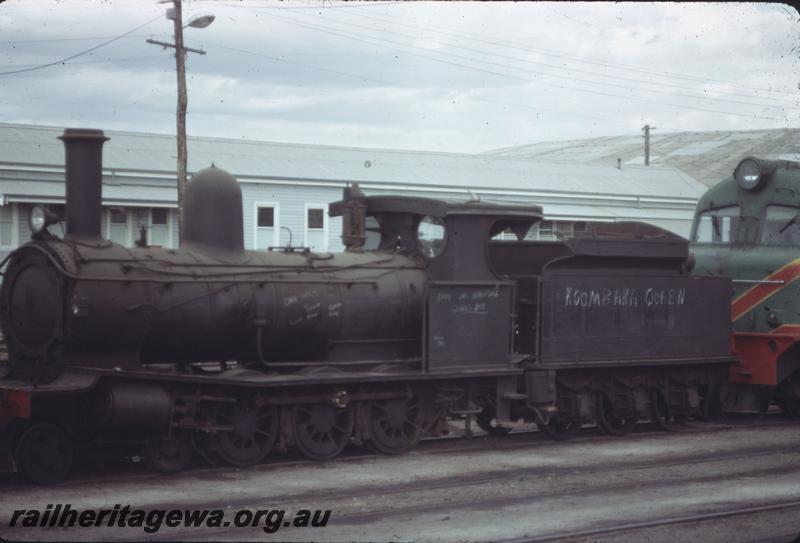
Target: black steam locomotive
231,353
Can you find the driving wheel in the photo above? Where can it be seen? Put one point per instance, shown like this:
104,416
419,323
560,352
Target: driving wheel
395,425
254,430
321,431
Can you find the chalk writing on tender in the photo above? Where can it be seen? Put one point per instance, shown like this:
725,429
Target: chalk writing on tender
623,297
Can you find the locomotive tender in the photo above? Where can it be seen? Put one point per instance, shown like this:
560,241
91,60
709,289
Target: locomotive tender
748,227
232,353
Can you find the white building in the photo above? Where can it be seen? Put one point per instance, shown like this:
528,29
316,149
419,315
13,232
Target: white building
287,187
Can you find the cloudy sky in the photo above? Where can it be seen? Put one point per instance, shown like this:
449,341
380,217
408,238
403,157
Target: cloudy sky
442,76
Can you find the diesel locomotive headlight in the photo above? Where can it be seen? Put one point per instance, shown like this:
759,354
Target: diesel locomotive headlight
749,174
40,218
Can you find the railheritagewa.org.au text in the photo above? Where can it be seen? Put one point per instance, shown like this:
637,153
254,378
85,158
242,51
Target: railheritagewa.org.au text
153,520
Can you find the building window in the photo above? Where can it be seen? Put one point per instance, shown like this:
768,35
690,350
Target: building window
564,230
316,228
267,227
8,225
159,227
119,226
551,230
316,219
266,217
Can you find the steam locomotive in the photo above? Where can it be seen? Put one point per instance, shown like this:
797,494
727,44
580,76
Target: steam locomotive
232,353
748,227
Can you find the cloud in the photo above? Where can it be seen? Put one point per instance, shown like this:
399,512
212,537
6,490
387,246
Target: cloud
451,76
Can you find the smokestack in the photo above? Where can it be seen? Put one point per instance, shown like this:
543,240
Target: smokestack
84,162
619,163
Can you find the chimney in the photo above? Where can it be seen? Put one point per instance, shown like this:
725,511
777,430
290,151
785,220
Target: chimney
619,163
84,162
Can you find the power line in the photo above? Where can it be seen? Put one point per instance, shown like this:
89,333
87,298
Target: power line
403,85
95,48
326,30
499,55
86,69
88,38
560,54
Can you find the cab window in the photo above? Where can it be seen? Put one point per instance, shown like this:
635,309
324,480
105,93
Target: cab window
781,226
373,232
431,236
717,225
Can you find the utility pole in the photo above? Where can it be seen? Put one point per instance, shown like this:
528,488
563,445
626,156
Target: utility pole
647,128
176,15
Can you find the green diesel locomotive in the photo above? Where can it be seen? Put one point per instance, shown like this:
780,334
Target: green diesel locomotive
747,227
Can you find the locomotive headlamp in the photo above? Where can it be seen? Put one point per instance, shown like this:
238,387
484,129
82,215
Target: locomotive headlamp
750,174
40,218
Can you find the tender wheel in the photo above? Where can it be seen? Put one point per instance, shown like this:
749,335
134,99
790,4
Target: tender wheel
44,453
608,423
710,401
660,415
395,425
321,431
255,429
168,454
559,429
487,422
789,396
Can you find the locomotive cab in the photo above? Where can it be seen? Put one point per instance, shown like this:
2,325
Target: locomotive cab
465,301
747,227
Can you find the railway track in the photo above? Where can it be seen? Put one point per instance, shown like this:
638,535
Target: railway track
126,466
458,493
616,530
531,480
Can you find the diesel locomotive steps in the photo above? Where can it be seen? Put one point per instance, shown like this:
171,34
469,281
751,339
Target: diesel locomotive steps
232,352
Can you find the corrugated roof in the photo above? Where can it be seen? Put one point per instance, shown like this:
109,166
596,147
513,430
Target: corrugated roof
155,154
705,156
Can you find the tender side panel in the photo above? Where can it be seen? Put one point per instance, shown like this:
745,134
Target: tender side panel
606,317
